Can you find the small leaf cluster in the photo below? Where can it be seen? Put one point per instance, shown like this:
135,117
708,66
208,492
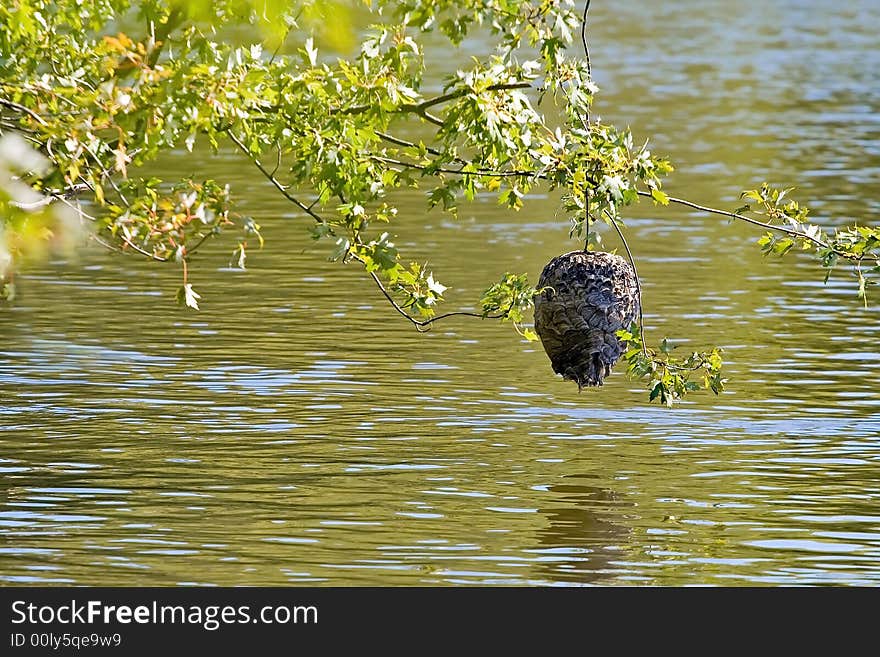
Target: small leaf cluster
606,173
668,377
786,221
414,284
509,299
167,223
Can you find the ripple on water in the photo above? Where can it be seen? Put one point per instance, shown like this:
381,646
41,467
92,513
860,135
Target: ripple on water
292,433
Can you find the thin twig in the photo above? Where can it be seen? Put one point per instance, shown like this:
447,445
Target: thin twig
587,195
735,215
284,38
632,264
106,174
278,160
35,205
587,191
537,175
272,179
9,124
452,95
404,142
458,160
128,242
422,325
421,108
461,172
21,108
584,39
430,118
107,245
51,195
408,144
204,238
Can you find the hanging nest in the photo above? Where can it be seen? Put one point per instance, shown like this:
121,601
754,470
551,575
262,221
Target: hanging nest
587,297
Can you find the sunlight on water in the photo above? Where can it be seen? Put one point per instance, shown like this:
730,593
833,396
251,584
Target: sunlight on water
295,431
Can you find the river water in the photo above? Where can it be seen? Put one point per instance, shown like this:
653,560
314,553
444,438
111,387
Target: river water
296,431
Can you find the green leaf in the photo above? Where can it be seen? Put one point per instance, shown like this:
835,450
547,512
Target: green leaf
656,391
659,196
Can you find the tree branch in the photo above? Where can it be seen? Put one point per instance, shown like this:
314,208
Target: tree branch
422,108
452,95
632,263
76,208
422,325
26,110
272,179
584,40
587,192
542,176
460,172
780,229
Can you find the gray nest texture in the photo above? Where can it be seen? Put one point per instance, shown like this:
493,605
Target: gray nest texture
588,296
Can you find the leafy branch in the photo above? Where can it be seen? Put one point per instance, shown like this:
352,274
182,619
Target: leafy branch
670,378
339,137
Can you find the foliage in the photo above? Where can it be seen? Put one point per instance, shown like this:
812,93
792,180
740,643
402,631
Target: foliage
670,378
32,227
507,299
103,87
859,244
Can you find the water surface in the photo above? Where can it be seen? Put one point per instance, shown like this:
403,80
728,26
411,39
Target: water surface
295,431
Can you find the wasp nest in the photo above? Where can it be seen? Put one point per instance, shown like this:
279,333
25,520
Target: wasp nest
587,297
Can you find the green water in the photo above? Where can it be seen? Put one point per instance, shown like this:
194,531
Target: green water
297,431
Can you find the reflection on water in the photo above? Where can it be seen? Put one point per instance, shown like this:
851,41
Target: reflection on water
295,432
585,535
